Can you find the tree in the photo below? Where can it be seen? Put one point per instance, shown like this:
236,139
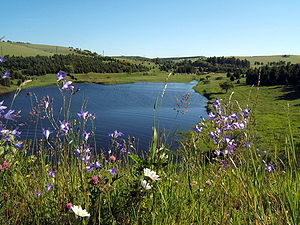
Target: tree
226,85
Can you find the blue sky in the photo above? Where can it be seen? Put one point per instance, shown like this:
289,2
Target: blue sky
157,28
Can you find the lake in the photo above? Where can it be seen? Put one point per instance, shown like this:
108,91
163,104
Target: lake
128,108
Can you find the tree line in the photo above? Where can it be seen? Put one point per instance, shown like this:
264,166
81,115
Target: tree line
211,64
41,65
277,75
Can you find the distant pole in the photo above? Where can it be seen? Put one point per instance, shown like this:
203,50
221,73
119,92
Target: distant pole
103,52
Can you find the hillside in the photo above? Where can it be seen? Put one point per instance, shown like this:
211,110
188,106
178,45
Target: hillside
26,49
271,58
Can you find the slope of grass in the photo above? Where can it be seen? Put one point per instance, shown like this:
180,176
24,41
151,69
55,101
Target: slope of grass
24,49
271,58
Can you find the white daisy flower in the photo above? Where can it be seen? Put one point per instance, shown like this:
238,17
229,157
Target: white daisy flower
151,174
79,211
146,185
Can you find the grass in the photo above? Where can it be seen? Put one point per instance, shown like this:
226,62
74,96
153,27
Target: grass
24,49
271,58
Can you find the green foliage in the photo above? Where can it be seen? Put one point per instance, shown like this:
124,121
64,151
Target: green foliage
226,85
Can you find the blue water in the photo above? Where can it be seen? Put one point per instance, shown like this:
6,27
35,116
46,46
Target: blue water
124,107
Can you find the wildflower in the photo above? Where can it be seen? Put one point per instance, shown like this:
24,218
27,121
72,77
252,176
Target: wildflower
246,113
6,75
68,205
146,185
233,116
198,129
15,132
18,145
116,134
38,193
46,102
2,107
67,86
87,149
86,135
151,174
77,152
269,167
112,171
88,167
8,138
2,59
61,75
96,165
83,115
85,158
112,158
51,173
49,187
65,127
79,211
211,116
10,115
5,164
216,104
123,149
46,133
94,180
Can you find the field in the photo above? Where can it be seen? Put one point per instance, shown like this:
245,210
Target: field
271,58
24,49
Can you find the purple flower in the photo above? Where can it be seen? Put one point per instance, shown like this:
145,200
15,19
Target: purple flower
119,145
112,171
6,75
18,145
10,115
77,152
96,165
8,138
216,104
2,107
269,167
233,116
2,59
49,187
211,116
46,133
116,134
86,135
16,133
246,113
83,115
123,149
61,75
87,149
85,158
64,127
67,86
51,173
198,129
88,167
38,193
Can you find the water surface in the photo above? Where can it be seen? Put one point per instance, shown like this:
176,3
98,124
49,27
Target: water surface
123,107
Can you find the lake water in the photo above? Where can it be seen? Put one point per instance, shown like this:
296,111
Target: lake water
123,107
